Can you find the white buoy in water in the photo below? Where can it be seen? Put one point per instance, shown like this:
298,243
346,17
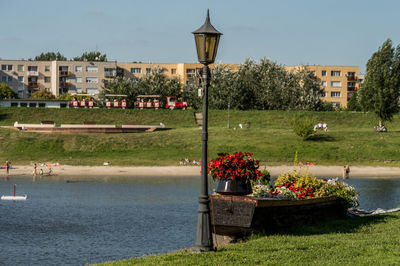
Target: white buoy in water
13,197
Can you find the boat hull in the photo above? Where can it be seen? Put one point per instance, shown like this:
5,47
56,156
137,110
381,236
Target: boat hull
242,215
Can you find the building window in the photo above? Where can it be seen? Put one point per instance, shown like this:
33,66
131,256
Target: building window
4,79
92,80
173,71
335,73
32,68
336,104
136,70
323,83
91,69
323,94
4,67
20,68
78,69
10,67
47,79
47,68
336,84
351,74
92,91
323,73
190,71
20,78
335,94
134,79
148,71
78,79
9,78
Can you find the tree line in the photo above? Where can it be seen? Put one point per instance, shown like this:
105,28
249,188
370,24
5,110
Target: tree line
86,56
263,86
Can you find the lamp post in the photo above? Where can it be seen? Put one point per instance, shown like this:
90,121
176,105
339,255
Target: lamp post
207,39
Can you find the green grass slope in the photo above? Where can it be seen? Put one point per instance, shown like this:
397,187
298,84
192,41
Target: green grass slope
350,140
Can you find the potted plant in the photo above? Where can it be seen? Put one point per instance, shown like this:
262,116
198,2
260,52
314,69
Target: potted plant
234,172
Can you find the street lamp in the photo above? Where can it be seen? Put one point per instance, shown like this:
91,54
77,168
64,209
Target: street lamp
207,39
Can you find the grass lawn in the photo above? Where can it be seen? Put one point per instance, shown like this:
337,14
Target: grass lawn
350,140
351,241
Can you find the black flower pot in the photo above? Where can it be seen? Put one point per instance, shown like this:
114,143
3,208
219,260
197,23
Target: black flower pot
233,187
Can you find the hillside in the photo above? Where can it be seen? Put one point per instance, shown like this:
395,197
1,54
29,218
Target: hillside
350,140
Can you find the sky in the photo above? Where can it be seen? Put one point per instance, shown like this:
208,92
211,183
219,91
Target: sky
289,32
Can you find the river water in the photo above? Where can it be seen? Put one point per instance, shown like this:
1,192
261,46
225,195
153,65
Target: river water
74,223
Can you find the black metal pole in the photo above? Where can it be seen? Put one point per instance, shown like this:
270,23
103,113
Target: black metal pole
204,241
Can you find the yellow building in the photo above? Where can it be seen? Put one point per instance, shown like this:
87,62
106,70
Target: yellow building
338,82
26,77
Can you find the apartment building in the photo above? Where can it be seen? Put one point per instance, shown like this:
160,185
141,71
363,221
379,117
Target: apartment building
338,82
59,77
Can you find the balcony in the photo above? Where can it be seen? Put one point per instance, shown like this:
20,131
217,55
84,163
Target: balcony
64,84
110,74
351,87
64,73
33,73
33,85
352,78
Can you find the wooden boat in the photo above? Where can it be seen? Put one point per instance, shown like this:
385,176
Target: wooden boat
241,215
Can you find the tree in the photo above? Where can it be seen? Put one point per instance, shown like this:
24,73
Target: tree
156,83
42,95
264,86
91,56
380,91
50,56
353,104
6,92
65,96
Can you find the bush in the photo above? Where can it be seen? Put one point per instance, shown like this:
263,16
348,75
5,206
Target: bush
6,92
303,125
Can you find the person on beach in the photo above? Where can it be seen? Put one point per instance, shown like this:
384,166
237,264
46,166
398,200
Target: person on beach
8,165
34,169
346,171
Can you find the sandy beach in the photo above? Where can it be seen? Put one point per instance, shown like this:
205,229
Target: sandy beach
85,172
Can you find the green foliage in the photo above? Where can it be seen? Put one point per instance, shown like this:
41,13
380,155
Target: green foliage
65,96
265,179
91,56
264,86
190,95
156,83
303,125
50,56
353,104
42,95
380,91
6,92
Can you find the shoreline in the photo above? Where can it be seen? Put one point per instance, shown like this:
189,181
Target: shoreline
93,172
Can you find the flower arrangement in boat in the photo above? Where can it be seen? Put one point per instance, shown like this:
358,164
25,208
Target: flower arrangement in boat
237,166
303,186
